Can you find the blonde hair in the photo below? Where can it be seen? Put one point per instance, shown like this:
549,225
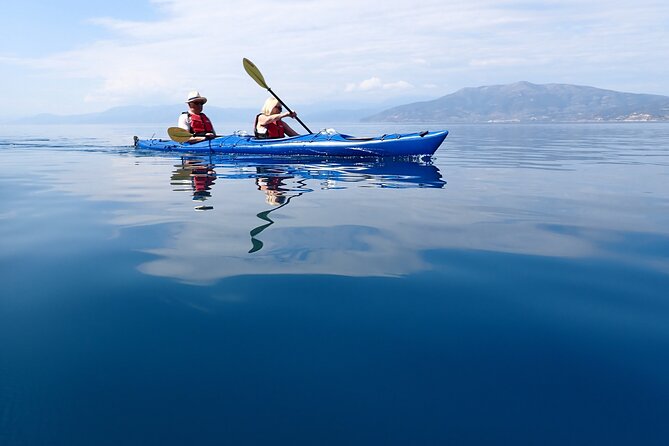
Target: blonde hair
270,103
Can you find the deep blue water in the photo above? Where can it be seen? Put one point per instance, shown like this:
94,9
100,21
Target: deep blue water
511,290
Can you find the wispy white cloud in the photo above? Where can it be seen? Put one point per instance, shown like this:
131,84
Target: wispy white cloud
498,61
375,83
320,50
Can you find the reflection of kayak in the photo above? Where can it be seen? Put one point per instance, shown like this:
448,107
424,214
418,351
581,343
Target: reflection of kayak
376,172
322,143
390,173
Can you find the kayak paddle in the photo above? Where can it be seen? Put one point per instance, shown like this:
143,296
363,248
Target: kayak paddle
177,134
255,73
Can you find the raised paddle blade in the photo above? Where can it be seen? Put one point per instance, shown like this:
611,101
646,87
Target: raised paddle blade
254,72
177,134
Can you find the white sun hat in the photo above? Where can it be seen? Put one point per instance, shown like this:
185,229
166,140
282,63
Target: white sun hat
194,96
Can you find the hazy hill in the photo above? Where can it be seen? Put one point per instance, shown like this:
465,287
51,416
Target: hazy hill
519,102
527,102
167,115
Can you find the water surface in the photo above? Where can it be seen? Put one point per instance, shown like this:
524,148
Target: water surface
510,290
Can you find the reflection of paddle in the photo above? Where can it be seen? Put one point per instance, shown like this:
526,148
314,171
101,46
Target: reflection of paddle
257,244
177,134
255,73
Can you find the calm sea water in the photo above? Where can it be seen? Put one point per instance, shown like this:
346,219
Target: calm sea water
514,289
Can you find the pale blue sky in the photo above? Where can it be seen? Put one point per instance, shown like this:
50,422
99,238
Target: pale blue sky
77,57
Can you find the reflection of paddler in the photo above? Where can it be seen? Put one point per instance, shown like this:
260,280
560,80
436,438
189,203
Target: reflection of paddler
274,195
187,167
200,176
271,182
275,198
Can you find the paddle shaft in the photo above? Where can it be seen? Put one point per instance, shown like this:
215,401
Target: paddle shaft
289,110
257,76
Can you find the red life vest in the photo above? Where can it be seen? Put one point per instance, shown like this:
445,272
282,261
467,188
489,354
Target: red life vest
274,129
200,124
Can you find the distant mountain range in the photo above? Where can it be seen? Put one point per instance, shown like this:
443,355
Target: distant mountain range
527,102
518,102
167,115
158,114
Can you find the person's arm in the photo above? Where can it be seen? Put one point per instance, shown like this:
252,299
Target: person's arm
265,119
212,134
183,122
288,130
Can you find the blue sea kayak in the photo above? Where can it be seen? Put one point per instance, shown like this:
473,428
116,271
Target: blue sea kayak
325,143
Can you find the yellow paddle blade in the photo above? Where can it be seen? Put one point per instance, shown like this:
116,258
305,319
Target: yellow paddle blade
254,72
177,134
